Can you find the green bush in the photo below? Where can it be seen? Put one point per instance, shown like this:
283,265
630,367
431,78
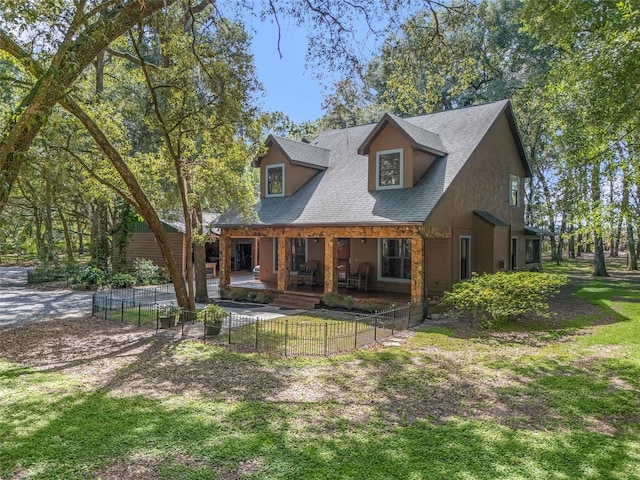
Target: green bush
148,273
90,276
239,294
46,273
122,280
332,299
212,314
503,296
349,302
264,297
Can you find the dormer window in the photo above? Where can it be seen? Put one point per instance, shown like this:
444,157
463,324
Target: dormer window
389,169
275,180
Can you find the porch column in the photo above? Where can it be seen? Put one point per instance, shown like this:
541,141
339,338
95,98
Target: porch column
330,264
417,270
284,262
225,259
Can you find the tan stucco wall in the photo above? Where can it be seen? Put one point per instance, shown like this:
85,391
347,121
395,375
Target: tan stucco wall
482,184
295,176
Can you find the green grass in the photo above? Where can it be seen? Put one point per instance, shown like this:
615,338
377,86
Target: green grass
442,407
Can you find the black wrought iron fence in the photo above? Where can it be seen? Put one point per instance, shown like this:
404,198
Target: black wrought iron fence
288,336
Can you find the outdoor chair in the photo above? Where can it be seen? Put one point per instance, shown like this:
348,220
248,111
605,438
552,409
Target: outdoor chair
360,279
308,273
342,275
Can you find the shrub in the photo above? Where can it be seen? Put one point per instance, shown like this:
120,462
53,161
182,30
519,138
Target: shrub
349,302
369,304
212,314
46,273
332,299
264,297
504,296
148,273
90,276
239,294
122,280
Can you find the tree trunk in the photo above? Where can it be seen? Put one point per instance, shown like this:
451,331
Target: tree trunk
80,234
67,235
633,257
142,203
200,257
599,266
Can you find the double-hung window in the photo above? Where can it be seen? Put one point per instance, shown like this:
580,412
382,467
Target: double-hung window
275,180
514,190
389,169
395,259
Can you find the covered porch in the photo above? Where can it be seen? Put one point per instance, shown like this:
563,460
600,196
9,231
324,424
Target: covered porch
393,257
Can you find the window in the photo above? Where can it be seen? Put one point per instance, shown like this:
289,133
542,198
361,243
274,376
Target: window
389,169
395,259
465,257
532,250
298,253
275,180
514,190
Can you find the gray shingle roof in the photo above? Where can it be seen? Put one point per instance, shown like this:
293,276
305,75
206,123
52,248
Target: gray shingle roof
300,152
339,194
421,138
487,217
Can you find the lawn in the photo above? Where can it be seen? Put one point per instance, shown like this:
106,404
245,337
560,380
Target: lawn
94,399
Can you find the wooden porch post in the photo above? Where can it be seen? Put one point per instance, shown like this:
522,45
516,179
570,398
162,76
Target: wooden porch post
417,270
284,262
225,259
331,264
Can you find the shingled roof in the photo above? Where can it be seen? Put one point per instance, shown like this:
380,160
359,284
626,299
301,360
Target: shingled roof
299,153
421,138
339,195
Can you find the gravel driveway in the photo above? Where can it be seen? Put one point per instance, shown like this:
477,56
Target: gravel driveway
21,305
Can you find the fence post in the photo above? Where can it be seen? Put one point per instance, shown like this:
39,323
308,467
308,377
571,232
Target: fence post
139,313
375,327
326,337
257,321
286,335
157,319
204,327
355,336
229,328
122,311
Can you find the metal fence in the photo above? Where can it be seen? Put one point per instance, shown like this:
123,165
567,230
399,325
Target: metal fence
289,336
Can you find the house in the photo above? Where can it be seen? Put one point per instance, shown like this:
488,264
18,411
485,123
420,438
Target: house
143,244
423,201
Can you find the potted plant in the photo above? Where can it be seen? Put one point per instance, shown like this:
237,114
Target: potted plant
166,315
212,317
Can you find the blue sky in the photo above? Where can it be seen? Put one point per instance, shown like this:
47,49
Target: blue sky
289,87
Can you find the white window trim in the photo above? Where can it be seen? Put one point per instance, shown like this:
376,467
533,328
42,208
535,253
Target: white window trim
379,269
266,180
511,179
389,187
460,238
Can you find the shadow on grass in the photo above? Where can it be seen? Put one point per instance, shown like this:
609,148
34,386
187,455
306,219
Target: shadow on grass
80,435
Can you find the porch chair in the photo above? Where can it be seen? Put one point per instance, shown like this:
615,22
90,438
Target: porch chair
308,273
360,279
342,275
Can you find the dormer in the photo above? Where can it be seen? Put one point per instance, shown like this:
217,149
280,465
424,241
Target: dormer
399,153
288,165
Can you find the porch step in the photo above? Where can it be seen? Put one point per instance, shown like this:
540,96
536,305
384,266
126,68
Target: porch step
302,300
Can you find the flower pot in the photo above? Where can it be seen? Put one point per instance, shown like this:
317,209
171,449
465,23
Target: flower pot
213,329
166,322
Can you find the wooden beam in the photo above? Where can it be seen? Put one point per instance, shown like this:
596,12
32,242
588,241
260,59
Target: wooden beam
284,260
331,264
417,270
354,231
225,260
